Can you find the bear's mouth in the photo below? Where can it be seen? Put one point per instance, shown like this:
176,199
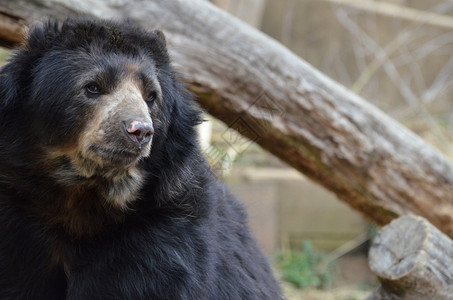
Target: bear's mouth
118,156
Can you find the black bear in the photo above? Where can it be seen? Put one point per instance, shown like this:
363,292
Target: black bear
104,192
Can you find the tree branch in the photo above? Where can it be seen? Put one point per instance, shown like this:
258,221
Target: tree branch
398,12
413,259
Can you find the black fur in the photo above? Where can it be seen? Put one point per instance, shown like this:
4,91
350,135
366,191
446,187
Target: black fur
184,237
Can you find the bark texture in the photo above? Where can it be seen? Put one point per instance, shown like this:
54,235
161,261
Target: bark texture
414,261
260,88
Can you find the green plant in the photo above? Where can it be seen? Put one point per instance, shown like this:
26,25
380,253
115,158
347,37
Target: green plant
306,268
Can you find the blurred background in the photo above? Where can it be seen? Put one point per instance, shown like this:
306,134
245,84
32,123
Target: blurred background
398,55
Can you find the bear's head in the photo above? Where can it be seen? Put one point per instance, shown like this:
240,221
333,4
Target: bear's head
97,99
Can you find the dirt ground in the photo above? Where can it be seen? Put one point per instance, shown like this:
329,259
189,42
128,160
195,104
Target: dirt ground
341,293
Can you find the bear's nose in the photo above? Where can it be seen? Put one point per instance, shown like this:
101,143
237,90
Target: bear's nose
138,131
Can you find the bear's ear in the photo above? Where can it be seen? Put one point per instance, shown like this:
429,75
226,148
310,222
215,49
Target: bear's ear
156,43
160,37
42,35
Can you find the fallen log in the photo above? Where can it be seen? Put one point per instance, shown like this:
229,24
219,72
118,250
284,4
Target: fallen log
413,260
261,89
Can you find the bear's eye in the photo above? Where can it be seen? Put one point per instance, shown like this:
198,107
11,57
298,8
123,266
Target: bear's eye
93,89
151,97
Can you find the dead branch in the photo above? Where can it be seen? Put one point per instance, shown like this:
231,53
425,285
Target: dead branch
413,259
